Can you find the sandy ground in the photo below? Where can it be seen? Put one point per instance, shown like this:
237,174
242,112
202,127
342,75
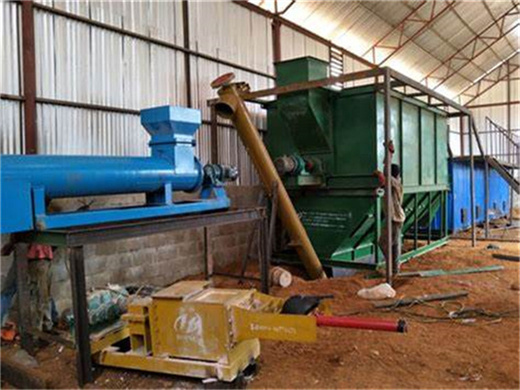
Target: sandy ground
438,354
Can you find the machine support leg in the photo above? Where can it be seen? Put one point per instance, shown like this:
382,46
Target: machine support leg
429,217
208,262
378,230
272,220
81,322
445,221
415,223
264,256
23,300
388,188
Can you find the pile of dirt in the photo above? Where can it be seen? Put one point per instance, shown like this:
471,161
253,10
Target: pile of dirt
436,354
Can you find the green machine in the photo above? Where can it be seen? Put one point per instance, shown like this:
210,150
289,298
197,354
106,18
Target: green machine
326,144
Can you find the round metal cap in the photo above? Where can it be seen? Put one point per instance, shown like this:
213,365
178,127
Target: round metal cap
222,80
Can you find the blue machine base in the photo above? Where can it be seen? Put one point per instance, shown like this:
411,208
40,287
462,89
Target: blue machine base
94,217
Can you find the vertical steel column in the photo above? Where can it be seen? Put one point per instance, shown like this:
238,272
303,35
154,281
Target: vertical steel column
81,321
23,299
472,184
29,77
388,176
277,36
510,158
486,198
277,40
187,57
461,130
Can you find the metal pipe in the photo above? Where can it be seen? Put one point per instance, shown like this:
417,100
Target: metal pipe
388,176
509,158
362,323
494,104
230,105
486,198
472,184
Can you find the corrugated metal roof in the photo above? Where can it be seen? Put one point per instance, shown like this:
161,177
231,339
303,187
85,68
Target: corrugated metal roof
359,25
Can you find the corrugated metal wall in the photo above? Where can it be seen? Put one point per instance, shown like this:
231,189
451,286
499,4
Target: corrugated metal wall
78,62
81,63
11,119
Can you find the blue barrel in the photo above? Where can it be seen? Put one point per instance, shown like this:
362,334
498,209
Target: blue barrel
73,176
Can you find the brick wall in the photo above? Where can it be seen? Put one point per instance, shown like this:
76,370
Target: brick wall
159,259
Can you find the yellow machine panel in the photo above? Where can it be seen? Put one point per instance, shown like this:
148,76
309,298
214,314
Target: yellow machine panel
194,330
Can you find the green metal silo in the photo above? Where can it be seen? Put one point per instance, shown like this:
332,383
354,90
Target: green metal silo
327,143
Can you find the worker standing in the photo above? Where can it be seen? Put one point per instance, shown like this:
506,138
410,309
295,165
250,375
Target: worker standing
396,212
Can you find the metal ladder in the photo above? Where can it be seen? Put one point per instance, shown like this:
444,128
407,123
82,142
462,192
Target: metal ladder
502,152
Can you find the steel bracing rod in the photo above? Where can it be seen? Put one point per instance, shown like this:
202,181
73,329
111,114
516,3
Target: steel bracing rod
486,6
429,92
473,42
285,9
399,27
426,23
484,78
295,87
497,104
467,25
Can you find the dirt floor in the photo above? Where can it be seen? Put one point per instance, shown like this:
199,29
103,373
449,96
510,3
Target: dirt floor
435,353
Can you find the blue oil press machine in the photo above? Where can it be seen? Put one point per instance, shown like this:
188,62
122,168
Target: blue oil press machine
29,182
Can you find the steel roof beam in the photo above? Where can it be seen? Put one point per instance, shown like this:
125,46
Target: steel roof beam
381,44
411,18
493,78
486,6
472,44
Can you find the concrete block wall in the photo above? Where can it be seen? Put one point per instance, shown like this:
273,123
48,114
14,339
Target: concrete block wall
159,259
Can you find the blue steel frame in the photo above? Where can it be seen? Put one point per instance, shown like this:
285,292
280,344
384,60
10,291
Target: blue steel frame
205,203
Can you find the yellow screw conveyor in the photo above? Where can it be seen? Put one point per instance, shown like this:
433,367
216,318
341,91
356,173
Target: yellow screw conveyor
191,329
230,105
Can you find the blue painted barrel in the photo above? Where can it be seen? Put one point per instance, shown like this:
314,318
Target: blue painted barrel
72,176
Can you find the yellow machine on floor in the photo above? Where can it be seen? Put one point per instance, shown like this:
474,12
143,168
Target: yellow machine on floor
191,329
